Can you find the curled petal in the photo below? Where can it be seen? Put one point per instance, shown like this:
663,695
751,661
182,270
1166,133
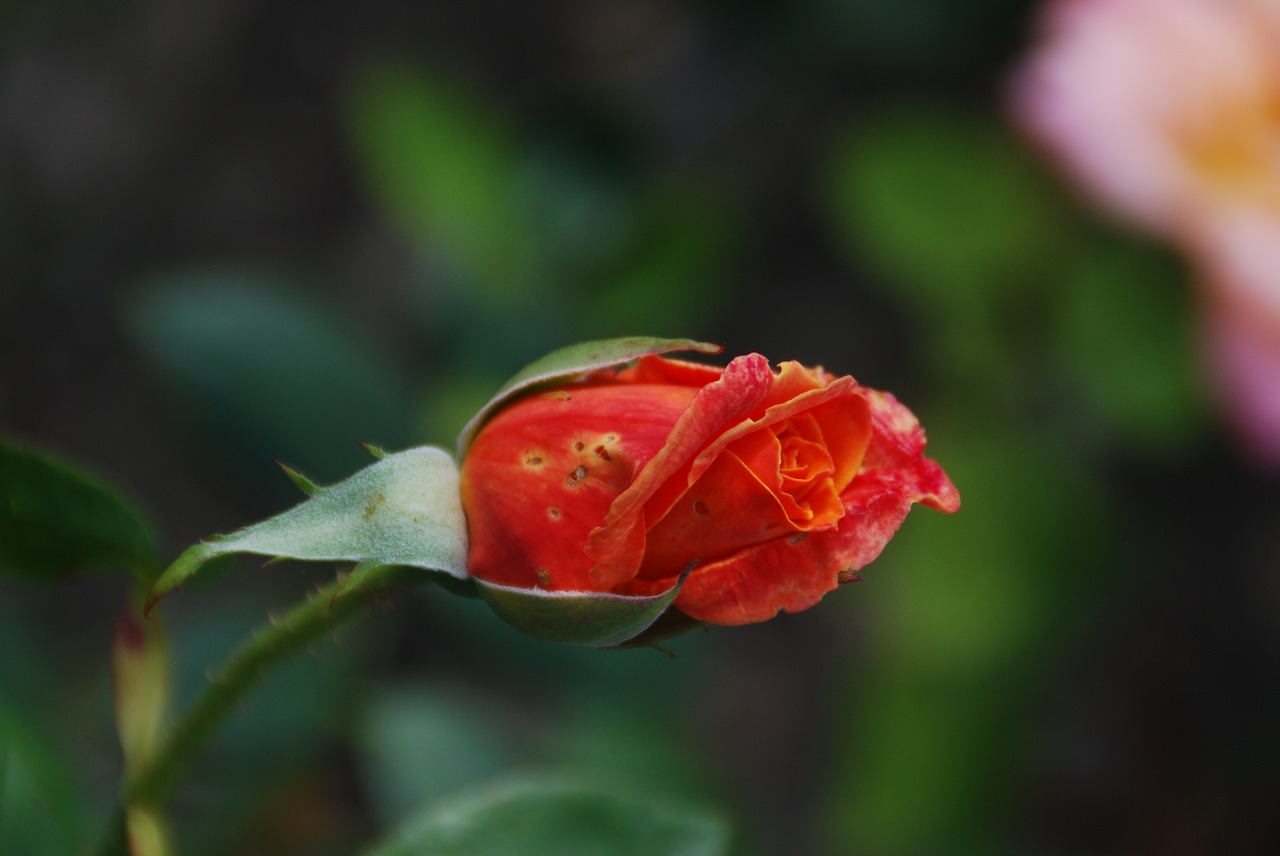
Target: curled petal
618,546
792,574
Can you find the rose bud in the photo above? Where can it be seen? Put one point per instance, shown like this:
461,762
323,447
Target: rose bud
739,491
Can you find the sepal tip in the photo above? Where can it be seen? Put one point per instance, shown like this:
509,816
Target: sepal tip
300,481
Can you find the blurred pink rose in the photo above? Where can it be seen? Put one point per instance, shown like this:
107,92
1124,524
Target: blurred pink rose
1167,112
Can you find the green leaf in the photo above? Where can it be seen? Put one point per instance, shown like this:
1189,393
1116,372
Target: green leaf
675,272
572,361
443,166
40,812
948,208
403,510
425,741
960,625
594,619
537,815
1125,334
56,521
267,369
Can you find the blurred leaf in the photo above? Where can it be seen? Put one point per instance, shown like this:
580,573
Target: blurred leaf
946,206
675,279
541,815
453,398
40,813
446,169
636,742
1125,332
56,521
973,612
269,371
575,204
420,743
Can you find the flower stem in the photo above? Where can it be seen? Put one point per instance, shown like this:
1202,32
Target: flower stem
151,785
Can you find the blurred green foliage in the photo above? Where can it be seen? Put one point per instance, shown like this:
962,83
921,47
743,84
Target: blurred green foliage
664,185
1013,287
536,237
260,366
40,808
541,815
966,622
56,521
964,229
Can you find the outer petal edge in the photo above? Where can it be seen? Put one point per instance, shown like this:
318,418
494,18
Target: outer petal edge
573,361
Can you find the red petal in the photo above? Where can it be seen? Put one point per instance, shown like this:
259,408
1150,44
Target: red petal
793,574
545,470
897,451
656,369
729,399
729,508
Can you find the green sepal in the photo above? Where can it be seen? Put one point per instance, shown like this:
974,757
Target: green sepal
376,451
571,362
591,619
300,481
402,510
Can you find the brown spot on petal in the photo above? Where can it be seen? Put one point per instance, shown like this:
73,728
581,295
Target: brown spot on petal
553,513
544,576
579,446
848,577
576,477
700,507
611,438
558,394
532,459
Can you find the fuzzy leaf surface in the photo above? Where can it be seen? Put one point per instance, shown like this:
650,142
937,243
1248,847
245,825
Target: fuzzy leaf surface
403,510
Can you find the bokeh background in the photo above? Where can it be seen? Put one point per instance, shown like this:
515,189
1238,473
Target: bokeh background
233,232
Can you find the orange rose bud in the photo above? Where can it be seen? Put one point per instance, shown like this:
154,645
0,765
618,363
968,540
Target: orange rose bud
774,486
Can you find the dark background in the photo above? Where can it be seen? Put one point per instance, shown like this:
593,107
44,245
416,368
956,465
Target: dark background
234,232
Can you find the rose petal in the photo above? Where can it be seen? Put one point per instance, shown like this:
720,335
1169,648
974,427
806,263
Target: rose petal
544,472
658,369
897,452
840,413
793,573
726,510
618,545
